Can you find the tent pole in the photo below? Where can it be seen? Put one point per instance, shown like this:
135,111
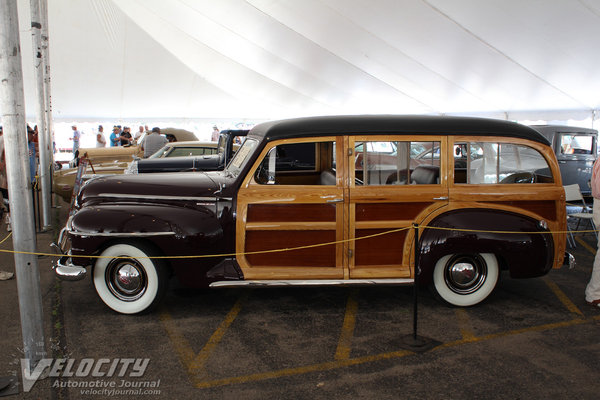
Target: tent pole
47,81
12,106
38,64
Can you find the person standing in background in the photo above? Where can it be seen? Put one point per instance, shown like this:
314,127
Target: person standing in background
139,133
126,136
32,154
215,134
153,142
100,139
75,139
4,275
115,137
592,290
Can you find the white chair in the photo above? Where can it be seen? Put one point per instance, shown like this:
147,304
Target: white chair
572,193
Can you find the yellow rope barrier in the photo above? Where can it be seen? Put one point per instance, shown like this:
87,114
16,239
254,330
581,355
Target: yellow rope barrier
298,247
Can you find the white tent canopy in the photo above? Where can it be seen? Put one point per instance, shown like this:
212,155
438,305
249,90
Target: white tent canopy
264,59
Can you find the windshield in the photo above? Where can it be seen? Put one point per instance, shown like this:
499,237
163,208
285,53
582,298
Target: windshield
241,157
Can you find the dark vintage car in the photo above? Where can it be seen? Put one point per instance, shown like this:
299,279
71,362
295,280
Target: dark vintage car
576,151
176,159
293,208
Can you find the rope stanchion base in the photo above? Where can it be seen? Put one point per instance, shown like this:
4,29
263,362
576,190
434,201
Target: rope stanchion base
418,344
414,342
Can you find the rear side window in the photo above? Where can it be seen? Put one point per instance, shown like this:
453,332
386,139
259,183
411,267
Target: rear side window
396,162
505,163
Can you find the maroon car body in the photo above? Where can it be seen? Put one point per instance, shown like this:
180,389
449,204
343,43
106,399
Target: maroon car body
203,226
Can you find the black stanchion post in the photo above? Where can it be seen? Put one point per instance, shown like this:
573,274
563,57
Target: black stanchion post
416,286
414,342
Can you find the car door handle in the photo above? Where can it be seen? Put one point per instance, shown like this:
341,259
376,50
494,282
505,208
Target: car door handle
441,198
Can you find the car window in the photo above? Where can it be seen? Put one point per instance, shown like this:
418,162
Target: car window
491,163
309,163
191,151
576,144
396,163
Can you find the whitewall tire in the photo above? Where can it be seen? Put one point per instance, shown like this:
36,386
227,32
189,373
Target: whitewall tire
465,279
127,280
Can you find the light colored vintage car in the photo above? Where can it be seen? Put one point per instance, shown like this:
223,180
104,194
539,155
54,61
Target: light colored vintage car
126,153
112,160
293,207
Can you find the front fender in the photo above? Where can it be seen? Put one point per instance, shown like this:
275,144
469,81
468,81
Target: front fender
145,220
525,254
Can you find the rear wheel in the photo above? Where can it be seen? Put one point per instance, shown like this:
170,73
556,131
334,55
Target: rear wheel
128,281
465,279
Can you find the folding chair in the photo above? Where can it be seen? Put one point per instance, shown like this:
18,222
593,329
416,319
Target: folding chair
572,193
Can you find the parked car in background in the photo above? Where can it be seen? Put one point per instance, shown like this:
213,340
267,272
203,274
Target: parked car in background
294,208
576,151
126,153
107,160
191,156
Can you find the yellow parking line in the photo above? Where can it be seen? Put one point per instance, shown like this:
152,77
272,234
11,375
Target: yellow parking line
194,363
182,346
215,339
538,328
383,356
584,244
345,342
464,324
562,297
303,370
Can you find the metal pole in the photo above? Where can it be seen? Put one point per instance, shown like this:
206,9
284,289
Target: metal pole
38,63
47,83
12,107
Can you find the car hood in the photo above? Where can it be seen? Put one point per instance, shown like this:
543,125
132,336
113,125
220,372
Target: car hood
153,187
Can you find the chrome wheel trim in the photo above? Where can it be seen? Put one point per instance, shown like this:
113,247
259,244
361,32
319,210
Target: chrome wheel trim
126,279
465,274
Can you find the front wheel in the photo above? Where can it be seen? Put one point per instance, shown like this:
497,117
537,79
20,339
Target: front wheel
465,279
128,281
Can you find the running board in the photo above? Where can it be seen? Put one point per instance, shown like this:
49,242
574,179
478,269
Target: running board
314,282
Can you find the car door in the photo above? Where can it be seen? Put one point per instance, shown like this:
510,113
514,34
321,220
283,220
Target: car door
394,182
293,198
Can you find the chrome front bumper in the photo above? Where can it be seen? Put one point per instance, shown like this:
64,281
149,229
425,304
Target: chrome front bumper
64,267
67,271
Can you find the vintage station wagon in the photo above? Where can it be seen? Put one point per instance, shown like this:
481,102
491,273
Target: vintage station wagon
330,200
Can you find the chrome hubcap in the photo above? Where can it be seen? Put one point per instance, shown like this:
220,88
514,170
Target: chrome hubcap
126,279
465,274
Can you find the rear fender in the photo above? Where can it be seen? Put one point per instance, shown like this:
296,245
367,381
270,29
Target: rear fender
523,253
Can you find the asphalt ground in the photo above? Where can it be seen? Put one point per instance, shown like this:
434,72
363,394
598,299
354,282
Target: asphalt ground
531,339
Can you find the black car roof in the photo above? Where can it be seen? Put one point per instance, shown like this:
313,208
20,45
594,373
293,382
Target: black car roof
562,129
393,124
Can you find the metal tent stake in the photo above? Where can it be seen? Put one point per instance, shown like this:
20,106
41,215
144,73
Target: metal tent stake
414,342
